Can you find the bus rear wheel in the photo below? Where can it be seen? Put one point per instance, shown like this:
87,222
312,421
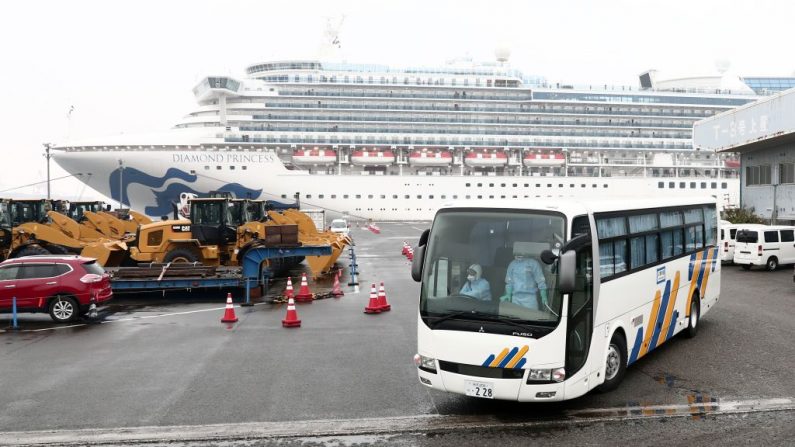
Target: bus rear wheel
692,320
616,363
772,264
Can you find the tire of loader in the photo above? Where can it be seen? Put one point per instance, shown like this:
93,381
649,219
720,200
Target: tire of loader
181,254
31,250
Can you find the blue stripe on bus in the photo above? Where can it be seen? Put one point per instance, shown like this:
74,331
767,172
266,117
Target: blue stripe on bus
691,266
660,316
508,357
521,363
701,273
671,328
488,360
636,348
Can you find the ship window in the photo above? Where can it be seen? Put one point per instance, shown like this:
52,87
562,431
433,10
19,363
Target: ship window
723,185
661,184
406,196
703,185
468,197
333,196
383,196
605,185
455,196
321,196
369,196
468,185
692,185
232,168
549,185
192,172
419,196
515,185
502,185
594,185
443,197
672,184
571,185
502,197
309,196
681,184
491,185
358,196
206,168
284,196
430,196
713,185
513,197
582,186
538,185
560,185
480,197
218,168
345,196
244,167
480,185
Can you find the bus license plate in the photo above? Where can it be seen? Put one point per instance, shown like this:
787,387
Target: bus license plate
479,389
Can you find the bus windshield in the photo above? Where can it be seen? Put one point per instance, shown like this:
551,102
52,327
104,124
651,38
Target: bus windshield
485,265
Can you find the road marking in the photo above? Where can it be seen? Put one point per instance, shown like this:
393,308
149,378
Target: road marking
379,426
142,317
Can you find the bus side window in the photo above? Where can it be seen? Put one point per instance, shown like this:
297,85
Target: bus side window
580,314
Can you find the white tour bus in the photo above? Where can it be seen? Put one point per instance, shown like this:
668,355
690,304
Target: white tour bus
764,245
510,307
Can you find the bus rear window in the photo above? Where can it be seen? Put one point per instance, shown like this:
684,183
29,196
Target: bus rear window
747,236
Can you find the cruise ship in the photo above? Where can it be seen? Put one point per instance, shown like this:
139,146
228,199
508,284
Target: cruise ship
395,143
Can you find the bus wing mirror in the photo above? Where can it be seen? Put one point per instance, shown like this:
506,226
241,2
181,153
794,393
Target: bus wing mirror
416,263
547,257
424,238
567,270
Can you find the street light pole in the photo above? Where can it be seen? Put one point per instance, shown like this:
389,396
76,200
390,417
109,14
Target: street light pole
47,156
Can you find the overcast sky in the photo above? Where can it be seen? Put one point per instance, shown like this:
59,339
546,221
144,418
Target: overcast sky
130,66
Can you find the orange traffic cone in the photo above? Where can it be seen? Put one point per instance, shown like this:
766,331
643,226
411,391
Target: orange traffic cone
385,306
288,292
304,295
229,312
337,291
373,307
291,320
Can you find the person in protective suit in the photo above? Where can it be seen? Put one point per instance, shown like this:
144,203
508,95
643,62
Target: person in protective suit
524,280
476,286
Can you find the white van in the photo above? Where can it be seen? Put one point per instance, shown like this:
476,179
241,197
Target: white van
764,245
728,232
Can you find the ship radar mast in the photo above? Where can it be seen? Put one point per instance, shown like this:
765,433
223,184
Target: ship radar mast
330,46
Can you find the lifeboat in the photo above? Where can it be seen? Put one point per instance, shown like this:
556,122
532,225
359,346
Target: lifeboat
314,156
430,158
372,158
544,159
486,159
731,163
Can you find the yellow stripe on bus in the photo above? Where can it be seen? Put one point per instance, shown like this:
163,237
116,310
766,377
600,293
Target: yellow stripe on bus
655,309
518,357
693,281
670,311
499,358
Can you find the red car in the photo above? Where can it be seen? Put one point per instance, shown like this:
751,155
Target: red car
60,285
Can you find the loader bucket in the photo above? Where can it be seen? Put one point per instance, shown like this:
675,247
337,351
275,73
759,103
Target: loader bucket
107,253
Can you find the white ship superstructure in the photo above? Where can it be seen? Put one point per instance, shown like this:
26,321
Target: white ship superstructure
388,143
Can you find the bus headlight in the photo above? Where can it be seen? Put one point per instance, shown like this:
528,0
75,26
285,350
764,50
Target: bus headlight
426,364
546,375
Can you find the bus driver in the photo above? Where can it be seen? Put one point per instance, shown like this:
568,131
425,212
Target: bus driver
476,286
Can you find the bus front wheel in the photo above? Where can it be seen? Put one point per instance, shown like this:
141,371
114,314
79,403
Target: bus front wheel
692,320
616,363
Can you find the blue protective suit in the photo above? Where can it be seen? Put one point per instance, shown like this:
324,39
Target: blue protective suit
478,288
525,278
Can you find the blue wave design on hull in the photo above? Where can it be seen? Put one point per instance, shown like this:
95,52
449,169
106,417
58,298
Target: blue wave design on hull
165,198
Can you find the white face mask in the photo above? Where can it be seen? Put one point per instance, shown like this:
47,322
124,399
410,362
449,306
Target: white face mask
471,277
519,257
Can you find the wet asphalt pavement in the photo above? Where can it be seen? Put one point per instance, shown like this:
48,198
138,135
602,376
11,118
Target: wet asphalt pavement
168,361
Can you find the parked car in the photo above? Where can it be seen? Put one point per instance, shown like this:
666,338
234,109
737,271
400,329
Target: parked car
340,226
765,245
728,236
60,285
